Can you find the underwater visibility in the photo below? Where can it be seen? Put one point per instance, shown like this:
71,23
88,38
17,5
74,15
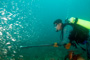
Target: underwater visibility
44,29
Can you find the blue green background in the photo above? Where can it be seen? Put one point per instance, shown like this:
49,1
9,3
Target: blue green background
36,27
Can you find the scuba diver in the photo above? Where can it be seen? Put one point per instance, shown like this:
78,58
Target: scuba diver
74,31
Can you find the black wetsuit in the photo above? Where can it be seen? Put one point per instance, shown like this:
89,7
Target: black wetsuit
80,35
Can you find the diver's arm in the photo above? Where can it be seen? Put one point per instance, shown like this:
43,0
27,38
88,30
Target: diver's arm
66,33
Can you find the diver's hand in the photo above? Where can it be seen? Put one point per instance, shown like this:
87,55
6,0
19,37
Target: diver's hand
67,46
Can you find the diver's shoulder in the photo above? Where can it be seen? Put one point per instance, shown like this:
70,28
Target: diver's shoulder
68,26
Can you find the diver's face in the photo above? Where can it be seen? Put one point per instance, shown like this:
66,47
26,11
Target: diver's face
58,26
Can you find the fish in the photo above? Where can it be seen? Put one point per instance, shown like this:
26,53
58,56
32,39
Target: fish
77,57
72,56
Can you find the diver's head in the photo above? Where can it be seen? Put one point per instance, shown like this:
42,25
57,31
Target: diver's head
58,24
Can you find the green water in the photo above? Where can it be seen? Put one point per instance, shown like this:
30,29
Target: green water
30,22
